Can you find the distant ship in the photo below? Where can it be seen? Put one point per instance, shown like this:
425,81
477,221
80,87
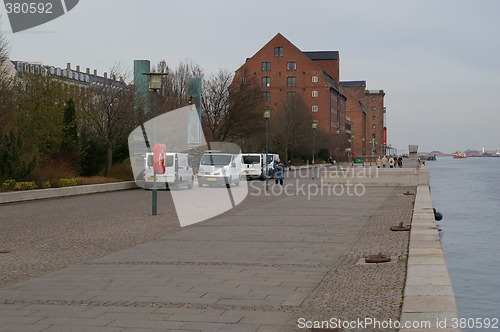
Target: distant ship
459,155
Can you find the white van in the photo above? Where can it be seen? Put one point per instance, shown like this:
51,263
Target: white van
219,168
252,166
178,173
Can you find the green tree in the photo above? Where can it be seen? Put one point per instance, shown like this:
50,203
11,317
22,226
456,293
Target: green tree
15,162
40,102
70,130
7,118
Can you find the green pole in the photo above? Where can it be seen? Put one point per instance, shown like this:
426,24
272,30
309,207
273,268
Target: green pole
154,192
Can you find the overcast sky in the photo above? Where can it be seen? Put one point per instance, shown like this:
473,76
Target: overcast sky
436,60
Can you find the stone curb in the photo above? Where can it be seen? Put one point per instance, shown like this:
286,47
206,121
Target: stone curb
428,294
28,195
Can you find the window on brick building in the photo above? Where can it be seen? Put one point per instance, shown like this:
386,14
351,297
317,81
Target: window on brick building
374,117
374,127
266,82
315,108
291,65
315,93
291,81
374,136
315,79
291,94
266,95
278,51
266,66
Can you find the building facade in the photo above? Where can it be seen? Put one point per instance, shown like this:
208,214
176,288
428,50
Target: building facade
376,128
366,110
68,75
283,70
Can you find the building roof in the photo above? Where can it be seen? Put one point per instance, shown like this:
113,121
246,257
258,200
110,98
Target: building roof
353,83
322,55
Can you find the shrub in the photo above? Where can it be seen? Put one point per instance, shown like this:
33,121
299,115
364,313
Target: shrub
25,185
122,171
9,185
71,182
99,180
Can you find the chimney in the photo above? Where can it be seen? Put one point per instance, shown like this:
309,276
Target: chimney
68,66
95,72
88,70
105,75
78,68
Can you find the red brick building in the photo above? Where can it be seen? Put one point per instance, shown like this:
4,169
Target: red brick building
281,69
356,111
376,129
366,110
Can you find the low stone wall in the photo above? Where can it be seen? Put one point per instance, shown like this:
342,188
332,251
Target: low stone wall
377,177
19,196
428,294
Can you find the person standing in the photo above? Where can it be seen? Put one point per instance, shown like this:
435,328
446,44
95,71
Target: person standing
279,171
400,162
384,161
378,162
391,162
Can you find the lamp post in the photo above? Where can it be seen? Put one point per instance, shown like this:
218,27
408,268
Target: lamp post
154,85
352,149
267,115
314,126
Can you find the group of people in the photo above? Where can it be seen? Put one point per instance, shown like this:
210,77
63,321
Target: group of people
392,162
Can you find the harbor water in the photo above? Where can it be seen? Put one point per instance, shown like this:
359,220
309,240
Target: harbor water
467,193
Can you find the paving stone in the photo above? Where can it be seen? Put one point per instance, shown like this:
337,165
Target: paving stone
256,268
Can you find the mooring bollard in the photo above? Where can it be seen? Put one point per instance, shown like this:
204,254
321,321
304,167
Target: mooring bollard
400,227
379,258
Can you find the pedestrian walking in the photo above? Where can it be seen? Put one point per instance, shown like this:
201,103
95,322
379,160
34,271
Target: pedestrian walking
378,162
400,162
279,171
384,161
391,162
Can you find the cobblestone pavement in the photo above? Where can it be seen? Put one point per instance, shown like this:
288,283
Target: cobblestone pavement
259,267
353,289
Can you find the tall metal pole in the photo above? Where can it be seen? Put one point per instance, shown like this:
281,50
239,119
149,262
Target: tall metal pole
154,192
314,150
267,151
314,145
314,126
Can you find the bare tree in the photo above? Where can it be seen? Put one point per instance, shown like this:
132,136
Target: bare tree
173,92
291,127
232,108
109,113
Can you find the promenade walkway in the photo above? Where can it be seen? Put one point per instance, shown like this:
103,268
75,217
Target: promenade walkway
279,266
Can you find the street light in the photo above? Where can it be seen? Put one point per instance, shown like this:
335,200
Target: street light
314,126
154,85
267,115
